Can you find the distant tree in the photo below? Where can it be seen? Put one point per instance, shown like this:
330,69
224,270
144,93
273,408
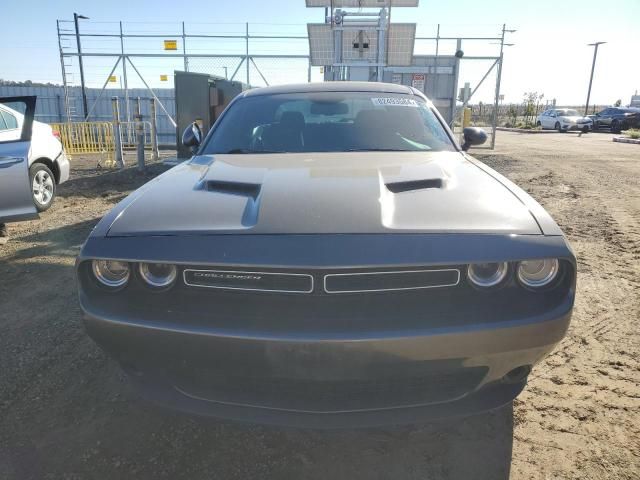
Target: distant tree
27,83
531,102
618,103
512,113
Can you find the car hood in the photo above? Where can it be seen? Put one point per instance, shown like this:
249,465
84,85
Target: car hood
303,193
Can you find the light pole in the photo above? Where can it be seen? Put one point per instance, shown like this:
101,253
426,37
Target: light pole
494,120
593,67
85,109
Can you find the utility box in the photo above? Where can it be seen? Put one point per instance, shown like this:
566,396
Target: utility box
436,77
200,98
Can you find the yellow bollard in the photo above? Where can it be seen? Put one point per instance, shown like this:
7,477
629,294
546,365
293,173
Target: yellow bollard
466,117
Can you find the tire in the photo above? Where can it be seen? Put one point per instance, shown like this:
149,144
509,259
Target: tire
615,126
558,127
43,186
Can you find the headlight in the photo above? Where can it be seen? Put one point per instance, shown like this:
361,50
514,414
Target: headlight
487,274
158,275
111,273
538,273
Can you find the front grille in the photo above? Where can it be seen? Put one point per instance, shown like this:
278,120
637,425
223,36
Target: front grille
249,280
388,281
360,281
343,395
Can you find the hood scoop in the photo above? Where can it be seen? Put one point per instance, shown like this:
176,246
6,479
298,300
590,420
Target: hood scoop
251,190
412,185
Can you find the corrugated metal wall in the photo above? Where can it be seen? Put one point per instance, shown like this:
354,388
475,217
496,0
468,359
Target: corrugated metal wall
50,105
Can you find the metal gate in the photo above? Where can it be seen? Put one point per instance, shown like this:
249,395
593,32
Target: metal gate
87,137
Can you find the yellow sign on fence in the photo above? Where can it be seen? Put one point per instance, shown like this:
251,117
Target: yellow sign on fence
170,44
113,79
88,137
164,78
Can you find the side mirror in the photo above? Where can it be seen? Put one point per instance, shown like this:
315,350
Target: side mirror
192,136
473,136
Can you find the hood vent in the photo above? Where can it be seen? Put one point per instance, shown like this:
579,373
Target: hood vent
251,190
411,185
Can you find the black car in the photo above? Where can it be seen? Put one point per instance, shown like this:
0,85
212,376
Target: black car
617,119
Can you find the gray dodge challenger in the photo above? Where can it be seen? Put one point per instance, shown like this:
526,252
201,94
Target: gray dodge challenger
329,257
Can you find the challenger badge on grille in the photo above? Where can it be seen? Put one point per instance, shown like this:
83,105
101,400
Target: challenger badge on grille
256,281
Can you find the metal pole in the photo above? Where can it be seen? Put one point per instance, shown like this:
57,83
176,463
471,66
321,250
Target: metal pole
247,49
155,154
117,139
434,96
482,80
59,107
173,122
139,136
260,73
226,76
184,49
494,120
382,25
95,102
593,67
453,93
84,93
237,68
124,76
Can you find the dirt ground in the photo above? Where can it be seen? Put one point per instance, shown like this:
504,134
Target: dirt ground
67,412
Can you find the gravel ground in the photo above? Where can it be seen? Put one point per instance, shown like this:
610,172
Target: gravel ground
67,412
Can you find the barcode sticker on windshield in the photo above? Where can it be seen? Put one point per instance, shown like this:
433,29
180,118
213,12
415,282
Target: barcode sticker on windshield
403,102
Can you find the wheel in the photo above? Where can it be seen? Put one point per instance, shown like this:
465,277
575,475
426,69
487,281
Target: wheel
558,127
43,186
615,126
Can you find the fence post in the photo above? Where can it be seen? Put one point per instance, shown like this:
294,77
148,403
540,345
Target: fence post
139,136
59,107
155,155
117,139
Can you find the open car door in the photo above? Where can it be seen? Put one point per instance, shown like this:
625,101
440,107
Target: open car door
16,199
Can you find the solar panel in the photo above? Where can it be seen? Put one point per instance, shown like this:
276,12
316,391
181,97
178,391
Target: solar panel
361,45
320,44
362,3
401,40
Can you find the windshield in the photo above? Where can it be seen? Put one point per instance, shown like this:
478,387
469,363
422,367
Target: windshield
568,113
328,122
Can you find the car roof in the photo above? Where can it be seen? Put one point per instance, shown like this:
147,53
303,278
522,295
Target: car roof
331,87
11,110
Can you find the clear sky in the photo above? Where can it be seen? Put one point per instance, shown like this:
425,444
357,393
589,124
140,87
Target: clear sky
550,54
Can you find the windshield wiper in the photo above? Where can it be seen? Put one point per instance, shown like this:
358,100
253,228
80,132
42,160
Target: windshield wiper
248,150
